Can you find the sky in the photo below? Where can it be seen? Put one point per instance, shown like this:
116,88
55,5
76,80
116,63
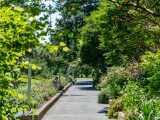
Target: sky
53,17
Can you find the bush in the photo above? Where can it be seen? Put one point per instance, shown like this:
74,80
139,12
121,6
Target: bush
115,107
135,89
131,114
103,97
138,105
151,67
133,95
114,80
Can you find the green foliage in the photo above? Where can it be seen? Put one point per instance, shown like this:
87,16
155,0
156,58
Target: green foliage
69,25
136,99
118,34
138,104
114,81
103,96
115,106
133,96
150,65
18,33
147,111
42,89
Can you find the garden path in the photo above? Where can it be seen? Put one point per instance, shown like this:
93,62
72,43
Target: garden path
78,103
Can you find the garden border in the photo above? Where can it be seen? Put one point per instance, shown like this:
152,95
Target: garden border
41,111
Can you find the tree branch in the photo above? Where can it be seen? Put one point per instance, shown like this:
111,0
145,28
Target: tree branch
137,6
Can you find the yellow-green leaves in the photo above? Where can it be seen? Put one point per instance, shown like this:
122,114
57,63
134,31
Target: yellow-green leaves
18,9
133,12
35,67
66,49
80,42
20,96
18,34
53,48
26,65
62,44
30,50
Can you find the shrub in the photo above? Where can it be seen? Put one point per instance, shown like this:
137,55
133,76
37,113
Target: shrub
138,105
134,70
144,112
131,114
114,80
151,67
135,89
133,95
115,107
103,96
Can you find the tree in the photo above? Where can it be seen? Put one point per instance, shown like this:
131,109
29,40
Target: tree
67,27
122,32
19,32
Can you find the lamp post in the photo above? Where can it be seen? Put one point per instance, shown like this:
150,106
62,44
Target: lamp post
29,85
29,78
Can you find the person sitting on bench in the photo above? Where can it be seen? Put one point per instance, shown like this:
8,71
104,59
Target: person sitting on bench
56,84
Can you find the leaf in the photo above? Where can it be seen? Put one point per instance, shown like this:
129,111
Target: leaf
30,50
20,96
62,44
60,34
26,62
80,42
18,9
53,48
13,93
34,67
39,68
66,49
4,117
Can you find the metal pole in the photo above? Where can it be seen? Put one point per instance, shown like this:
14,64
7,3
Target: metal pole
59,75
73,74
50,7
29,85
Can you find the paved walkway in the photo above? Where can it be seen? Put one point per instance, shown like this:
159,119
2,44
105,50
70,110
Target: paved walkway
78,103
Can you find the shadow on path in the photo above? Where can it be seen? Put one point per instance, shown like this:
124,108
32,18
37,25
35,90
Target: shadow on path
83,83
87,88
103,111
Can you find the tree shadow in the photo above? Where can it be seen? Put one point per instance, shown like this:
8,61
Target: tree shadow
87,88
83,83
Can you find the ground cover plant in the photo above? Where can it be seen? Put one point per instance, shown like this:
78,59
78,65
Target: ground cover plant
137,98
42,89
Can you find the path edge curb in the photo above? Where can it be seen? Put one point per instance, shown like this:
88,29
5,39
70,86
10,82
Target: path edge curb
40,113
